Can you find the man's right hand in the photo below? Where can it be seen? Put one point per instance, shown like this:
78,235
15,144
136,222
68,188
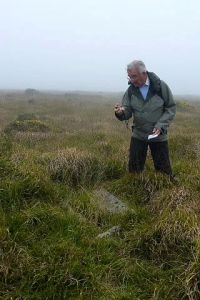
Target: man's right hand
119,109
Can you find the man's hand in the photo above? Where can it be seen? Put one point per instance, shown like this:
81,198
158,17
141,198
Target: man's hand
118,109
157,131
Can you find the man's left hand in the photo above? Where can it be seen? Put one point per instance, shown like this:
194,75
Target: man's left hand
157,131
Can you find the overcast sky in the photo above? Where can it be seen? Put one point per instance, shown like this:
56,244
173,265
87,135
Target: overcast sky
86,44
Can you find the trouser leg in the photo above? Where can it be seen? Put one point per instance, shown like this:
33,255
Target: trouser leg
137,155
160,154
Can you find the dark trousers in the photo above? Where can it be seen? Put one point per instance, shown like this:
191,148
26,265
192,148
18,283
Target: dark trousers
159,152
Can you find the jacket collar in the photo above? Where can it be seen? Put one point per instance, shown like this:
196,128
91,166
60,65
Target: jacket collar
154,80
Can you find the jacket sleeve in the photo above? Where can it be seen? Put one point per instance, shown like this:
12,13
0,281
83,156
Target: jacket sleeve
127,113
169,109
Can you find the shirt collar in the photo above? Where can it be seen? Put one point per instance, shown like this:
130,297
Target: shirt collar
147,82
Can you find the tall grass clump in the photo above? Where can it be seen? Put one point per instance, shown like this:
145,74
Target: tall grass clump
80,168
20,186
75,167
174,228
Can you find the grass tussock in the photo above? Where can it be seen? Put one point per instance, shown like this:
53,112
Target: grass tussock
20,186
81,168
75,167
171,240
139,188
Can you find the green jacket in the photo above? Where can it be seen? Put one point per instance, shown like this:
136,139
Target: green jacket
158,110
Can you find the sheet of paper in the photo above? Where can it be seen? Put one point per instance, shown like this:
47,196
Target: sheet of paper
152,136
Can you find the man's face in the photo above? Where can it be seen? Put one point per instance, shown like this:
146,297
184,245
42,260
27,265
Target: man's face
137,78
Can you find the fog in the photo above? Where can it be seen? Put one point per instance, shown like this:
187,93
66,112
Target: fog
86,45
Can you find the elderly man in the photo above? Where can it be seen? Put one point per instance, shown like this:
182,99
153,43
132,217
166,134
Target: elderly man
149,100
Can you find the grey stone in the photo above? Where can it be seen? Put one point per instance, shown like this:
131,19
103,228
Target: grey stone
110,202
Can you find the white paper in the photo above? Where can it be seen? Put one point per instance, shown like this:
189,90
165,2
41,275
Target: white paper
152,136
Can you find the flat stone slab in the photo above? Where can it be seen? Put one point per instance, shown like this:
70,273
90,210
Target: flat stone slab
110,202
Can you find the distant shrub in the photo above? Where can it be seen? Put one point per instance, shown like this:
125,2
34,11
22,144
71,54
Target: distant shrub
27,125
27,122
31,92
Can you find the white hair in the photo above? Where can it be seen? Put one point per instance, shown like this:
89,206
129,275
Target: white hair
138,64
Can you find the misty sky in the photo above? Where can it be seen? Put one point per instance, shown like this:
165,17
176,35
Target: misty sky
86,44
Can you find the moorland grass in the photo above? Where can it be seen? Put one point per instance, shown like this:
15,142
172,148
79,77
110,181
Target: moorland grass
50,216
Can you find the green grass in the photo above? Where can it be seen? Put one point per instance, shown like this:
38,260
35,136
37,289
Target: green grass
50,216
